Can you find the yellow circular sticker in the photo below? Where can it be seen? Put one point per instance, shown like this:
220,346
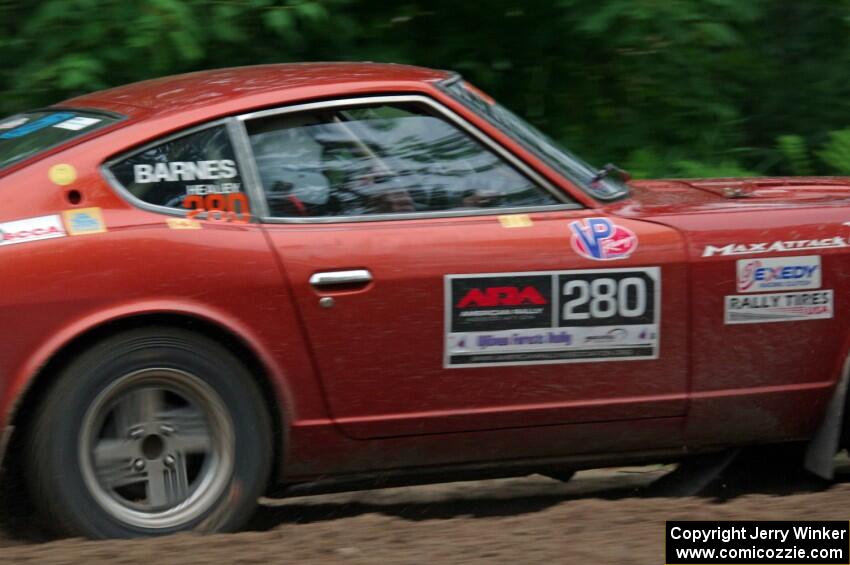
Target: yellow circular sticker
62,174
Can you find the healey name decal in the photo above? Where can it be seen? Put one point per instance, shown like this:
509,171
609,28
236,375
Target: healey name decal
780,273
31,229
782,307
552,317
602,240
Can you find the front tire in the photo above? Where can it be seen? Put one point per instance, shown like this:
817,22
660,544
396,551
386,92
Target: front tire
150,432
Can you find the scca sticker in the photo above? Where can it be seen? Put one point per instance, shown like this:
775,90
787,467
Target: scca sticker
31,229
600,239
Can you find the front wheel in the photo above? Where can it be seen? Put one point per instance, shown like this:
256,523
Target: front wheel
150,432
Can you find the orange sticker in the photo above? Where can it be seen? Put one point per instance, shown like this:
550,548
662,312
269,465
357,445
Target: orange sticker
183,224
84,221
516,221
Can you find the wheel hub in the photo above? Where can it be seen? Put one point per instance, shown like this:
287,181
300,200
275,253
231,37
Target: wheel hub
157,448
153,447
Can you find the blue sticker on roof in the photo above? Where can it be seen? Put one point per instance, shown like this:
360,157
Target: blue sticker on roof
38,124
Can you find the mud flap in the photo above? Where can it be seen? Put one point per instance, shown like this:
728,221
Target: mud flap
820,452
693,475
5,436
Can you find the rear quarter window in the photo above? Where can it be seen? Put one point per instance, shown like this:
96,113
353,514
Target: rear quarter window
195,164
28,134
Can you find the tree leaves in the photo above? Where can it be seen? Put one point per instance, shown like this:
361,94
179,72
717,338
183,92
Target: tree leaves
674,86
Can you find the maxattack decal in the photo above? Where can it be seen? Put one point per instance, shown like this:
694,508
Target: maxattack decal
552,317
31,229
84,221
775,247
602,240
781,273
782,307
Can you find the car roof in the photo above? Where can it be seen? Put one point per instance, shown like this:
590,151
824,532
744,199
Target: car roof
231,85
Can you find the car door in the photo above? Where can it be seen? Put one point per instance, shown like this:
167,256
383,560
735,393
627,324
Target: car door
445,286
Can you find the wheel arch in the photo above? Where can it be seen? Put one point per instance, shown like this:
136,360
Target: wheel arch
37,385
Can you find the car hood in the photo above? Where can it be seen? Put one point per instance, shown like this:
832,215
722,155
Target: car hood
678,196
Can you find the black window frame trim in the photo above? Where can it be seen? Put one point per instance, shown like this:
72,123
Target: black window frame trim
253,188
231,126
446,84
252,178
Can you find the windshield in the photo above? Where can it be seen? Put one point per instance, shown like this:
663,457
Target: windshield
30,133
569,165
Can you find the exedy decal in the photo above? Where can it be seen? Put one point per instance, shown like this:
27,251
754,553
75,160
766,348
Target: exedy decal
602,240
778,273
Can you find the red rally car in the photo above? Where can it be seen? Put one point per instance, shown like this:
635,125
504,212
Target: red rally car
252,280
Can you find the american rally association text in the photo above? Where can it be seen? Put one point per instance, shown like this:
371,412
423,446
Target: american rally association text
726,534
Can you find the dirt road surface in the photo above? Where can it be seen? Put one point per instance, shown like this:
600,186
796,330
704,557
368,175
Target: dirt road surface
602,516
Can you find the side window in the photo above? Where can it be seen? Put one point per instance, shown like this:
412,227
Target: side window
380,159
186,172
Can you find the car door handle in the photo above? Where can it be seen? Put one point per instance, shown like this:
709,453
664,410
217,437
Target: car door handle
333,278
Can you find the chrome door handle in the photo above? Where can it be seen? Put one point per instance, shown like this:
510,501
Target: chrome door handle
331,278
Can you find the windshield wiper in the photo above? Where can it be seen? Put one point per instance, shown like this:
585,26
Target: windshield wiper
607,170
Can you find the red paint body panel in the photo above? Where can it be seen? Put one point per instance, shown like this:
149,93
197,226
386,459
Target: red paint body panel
379,350
362,385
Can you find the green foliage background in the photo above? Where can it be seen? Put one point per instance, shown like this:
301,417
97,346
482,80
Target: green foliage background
662,87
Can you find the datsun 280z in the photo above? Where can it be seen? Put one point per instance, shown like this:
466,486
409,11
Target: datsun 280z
259,280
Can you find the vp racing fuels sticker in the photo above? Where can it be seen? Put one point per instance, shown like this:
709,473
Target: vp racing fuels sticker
781,273
601,239
552,317
780,307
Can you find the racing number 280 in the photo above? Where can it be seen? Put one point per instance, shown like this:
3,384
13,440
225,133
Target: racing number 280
604,298
231,207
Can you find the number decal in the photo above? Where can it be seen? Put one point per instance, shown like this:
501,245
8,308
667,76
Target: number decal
219,207
242,213
570,306
638,288
615,299
570,316
195,204
604,302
